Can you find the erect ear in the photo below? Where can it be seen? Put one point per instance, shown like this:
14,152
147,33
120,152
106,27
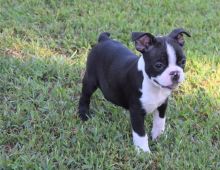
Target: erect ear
177,34
142,40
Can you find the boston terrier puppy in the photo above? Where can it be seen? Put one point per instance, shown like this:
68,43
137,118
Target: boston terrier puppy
140,84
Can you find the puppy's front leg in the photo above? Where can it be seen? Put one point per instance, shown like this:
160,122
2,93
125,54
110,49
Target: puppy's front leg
140,138
159,121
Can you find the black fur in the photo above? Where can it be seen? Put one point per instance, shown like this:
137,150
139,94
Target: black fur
114,69
162,109
110,64
159,44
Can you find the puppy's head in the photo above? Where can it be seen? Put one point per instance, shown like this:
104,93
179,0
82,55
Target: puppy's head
163,57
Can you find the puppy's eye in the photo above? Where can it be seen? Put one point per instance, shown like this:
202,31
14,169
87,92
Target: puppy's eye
159,66
182,62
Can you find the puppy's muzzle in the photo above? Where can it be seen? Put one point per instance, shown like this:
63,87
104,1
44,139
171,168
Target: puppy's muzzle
175,76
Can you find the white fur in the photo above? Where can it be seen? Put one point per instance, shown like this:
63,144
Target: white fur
165,78
171,55
158,125
140,142
152,94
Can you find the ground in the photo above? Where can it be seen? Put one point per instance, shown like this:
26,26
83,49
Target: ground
43,49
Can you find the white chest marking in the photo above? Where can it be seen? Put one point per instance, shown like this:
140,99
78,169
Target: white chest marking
152,96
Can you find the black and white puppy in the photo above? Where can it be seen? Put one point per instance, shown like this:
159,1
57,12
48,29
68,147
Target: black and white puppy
140,84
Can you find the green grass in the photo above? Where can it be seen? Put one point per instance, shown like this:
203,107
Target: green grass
43,49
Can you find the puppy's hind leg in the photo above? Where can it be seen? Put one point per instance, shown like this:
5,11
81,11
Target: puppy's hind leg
88,88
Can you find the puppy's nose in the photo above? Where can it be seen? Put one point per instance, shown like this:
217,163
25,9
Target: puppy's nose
175,75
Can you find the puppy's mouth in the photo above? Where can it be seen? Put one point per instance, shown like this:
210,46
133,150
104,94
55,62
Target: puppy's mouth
170,87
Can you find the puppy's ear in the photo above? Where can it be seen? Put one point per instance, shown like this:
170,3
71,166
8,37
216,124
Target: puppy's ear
142,40
177,34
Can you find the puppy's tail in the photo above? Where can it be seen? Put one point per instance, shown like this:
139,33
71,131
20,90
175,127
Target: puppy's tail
104,36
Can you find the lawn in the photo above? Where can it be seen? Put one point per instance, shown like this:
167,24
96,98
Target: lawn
43,49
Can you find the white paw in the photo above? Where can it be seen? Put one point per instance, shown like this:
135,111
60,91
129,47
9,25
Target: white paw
156,132
140,142
142,149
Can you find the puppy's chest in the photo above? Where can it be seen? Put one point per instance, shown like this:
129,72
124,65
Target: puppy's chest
151,99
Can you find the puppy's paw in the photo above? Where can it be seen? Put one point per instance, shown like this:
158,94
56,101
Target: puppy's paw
142,149
156,132
84,117
140,142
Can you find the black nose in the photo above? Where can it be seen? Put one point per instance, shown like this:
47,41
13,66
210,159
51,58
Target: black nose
175,75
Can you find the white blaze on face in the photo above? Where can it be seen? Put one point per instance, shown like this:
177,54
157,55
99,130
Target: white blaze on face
165,78
171,55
